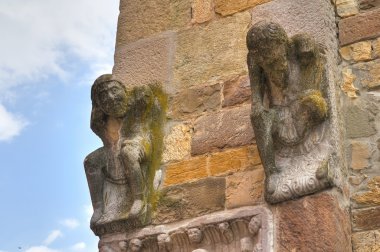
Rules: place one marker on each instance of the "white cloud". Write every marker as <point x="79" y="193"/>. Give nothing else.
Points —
<point x="55" y="234"/>
<point x="40" y="249"/>
<point x="10" y="124"/>
<point x="43" y="36"/>
<point x="79" y="246"/>
<point x="70" y="223"/>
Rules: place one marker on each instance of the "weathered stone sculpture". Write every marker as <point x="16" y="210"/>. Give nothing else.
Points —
<point x="290" y="111"/>
<point x="120" y="174"/>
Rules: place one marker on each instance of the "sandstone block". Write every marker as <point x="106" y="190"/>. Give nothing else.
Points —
<point x="141" y="19"/>
<point x="196" y="100"/>
<point x="348" y="83"/>
<point x="366" y="241"/>
<point x="300" y="229"/>
<point x="227" y="7"/>
<point x="358" y="122"/>
<point x="190" y="200"/>
<point x="202" y="11"/>
<point x="360" y="154"/>
<point x="376" y="48"/>
<point x="366" y="219"/>
<point x="368" y="73"/>
<point x="206" y="54"/>
<point x="359" y="27"/>
<point x="346" y="8"/>
<point x="229" y="161"/>
<point x="236" y="91"/>
<point x="227" y="128"/>
<point x="245" y="188"/>
<point x="370" y="197"/>
<point x="177" y="143"/>
<point x="185" y="171"/>
<point x="145" y="61"/>
<point x="360" y="51"/>
<point x="369" y="4"/>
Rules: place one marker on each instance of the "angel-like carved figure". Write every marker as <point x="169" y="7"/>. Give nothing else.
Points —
<point x="288" y="85"/>
<point x="129" y="122"/>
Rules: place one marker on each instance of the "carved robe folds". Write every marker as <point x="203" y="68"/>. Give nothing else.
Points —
<point x="292" y="113"/>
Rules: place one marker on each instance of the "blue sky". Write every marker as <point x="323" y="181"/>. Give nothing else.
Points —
<point x="51" y="52"/>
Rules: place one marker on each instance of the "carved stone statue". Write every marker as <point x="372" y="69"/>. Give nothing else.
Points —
<point x="120" y="174"/>
<point x="290" y="110"/>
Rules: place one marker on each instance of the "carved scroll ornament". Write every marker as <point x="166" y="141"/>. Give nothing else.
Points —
<point x="120" y="174"/>
<point x="290" y="111"/>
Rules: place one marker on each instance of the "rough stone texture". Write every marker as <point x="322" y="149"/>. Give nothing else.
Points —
<point x="370" y="197"/>
<point x="360" y="155"/>
<point x="236" y="91"/>
<point x="348" y="83"/>
<point x="207" y="54"/>
<point x="359" y="27"/>
<point x="227" y="128"/>
<point x="196" y="100"/>
<point x="366" y="241"/>
<point x="358" y="122"/>
<point x="202" y="11"/>
<point x="360" y="51"/>
<point x="190" y="200"/>
<point x="177" y="143"/>
<point x="145" y="61"/>
<point x="245" y="188"/>
<point x="227" y="7"/>
<point x="368" y="73"/>
<point x="346" y="8"/>
<point x="369" y="4"/>
<point x="314" y="223"/>
<point x="141" y="19"/>
<point x="185" y="171"/>
<point x="316" y="18"/>
<point x="366" y="219"/>
<point x="376" y="48"/>
<point x="234" y="160"/>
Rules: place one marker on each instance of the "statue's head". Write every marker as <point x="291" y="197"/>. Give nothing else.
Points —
<point x="135" y="245"/>
<point x="267" y="42"/>
<point x="305" y="48"/>
<point x="254" y="225"/>
<point x="195" y="235"/>
<point x="109" y="95"/>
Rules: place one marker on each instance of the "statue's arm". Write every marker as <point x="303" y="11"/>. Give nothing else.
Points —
<point x="256" y="86"/>
<point x="97" y="122"/>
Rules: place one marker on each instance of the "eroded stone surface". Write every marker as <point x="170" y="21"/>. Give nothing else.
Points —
<point x="242" y="229"/>
<point x="358" y="122"/>
<point x="376" y="47"/>
<point x="366" y="219"/>
<point x="189" y="200"/>
<point x="228" y="128"/>
<point x="371" y="197"/>
<point x="245" y="188"/>
<point x="346" y="8"/>
<point x="141" y="19"/>
<point x="368" y="73"/>
<point x="360" y="154"/>
<point x="348" y="83"/>
<point x="205" y="54"/>
<point x="226" y="7"/>
<point x="359" y="27"/>
<point x="369" y="4"/>
<point x="202" y="10"/>
<point x="360" y="51"/>
<point x="314" y="223"/>
<point x="236" y="91"/>
<point x="177" y="143"/>
<point x="366" y="241"/>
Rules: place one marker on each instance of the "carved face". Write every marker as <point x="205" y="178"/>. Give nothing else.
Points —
<point x="254" y="225"/>
<point x="271" y="54"/>
<point x="112" y="99"/>
<point x="163" y="241"/>
<point x="135" y="245"/>
<point x="195" y="235"/>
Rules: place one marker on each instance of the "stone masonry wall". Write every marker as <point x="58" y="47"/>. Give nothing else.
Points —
<point x="359" y="35"/>
<point x="196" y="50"/>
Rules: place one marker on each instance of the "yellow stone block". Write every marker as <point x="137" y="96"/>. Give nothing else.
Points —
<point x="186" y="171"/>
<point x="360" y="154"/>
<point x="202" y="11"/>
<point x="228" y="7"/>
<point x="372" y="196"/>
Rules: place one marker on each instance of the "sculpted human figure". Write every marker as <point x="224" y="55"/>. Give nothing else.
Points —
<point x="227" y="234"/>
<point x="195" y="235"/>
<point x="118" y="173"/>
<point x="164" y="243"/>
<point x="286" y="77"/>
